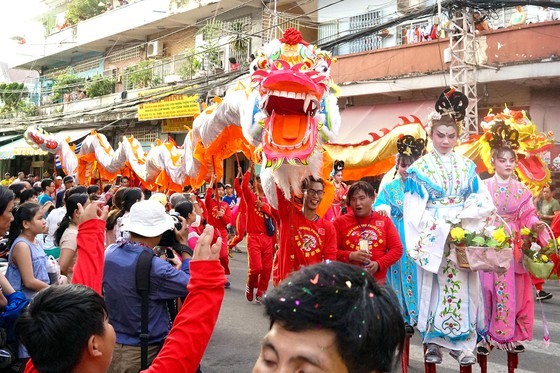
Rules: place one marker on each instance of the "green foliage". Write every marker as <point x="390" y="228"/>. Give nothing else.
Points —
<point x="28" y="109"/>
<point x="142" y="75"/>
<point x="100" y="86"/>
<point x="210" y="51"/>
<point x="239" y="42"/>
<point x="66" y="83"/>
<point x="191" y="65"/>
<point x="11" y="95"/>
<point x="80" y="10"/>
<point x="211" y="30"/>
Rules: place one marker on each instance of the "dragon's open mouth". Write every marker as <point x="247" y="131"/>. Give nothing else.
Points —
<point x="290" y="129"/>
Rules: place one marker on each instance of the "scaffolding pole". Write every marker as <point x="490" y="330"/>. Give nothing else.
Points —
<point x="462" y="69"/>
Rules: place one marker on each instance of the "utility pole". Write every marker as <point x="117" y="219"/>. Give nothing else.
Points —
<point x="462" y="69"/>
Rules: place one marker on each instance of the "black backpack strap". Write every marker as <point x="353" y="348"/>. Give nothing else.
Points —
<point x="143" y="268"/>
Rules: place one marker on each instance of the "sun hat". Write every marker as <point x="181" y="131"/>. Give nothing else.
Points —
<point x="148" y="219"/>
<point x="159" y="197"/>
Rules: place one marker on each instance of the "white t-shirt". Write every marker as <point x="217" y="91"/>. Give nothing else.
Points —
<point x="53" y="221"/>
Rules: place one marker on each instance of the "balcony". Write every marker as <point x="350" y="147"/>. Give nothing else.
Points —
<point x="511" y="53"/>
<point x="129" y="24"/>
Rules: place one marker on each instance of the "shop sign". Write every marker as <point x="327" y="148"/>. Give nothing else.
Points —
<point x="177" y="125"/>
<point x="172" y="106"/>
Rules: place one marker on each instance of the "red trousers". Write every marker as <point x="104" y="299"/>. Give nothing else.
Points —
<point x="260" y="248"/>
<point x="538" y="282"/>
<point x="240" y="229"/>
<point x="224" y="258"/>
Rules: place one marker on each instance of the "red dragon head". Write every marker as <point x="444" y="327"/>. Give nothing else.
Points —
<point x="293" y="80"/>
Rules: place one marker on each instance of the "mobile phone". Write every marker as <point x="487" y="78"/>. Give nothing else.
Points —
<point x="118" y="181"/>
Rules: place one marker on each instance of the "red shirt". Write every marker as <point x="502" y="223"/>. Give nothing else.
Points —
<point x="212" y="208"/>
<point x="384" y="241"/>
<point x="239" y="192"/>
<point x="255" y="216"/>
<point x="555" y="225"/>
<point x="302" y="242"/>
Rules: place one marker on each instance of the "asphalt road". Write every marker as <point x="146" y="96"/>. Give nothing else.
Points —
<point x="235" y="344"/>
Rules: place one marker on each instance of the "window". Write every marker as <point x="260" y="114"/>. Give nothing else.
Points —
<point x="367" y="42"/>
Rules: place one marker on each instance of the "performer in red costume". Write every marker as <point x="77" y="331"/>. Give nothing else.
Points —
<point x="260" y="245"/>
<point x="218" y="214"/>
<point x="241" y="219"/>
<point x="366" y="238"/>
<point x="305" y="238"/>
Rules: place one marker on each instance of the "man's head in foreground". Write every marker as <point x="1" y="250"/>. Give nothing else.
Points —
<point x="331" y="317"/>
<point x="56" y="344"/>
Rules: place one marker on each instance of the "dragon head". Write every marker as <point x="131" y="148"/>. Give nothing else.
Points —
<point x="293" y="81"/>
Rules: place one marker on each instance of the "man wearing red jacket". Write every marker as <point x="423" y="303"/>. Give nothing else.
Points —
<point x="241" y="219"/>
<point x="52" y="316"/>
<point x="218" y="216"/>
<point x="260" y="245"/>
<point x="305" y="238"/>
<point x="366" y="238"/>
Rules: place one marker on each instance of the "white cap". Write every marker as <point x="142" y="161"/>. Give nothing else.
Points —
<point x="148" y="219"/>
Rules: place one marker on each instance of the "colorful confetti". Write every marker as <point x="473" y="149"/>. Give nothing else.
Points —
<point x="371" y="295"/>
<point x="315" y="279"/>
<point x="282" y="299"/>
<point x="307" y="291"/>
<point x="297" y="302"/>
<point x="349" y="284"/>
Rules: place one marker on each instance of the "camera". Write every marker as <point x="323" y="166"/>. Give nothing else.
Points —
<point x="178" y="223"/>
<point x="168" y="238"/>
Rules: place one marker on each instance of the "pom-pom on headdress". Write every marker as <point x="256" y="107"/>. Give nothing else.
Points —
<point x="503" y="136"/>
<point x="408" y="145"/>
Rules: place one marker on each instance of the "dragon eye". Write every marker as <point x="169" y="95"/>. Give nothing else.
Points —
<point x="276" y="54"/>
<point x="322" y="67"/>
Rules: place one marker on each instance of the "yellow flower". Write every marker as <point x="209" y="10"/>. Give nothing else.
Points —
<point x="525" y="231"/>
<point x="457" y="234"/>
<point x="558" y="241"/>
<point x="500" y="235"/>
<point x="544" y="258"/>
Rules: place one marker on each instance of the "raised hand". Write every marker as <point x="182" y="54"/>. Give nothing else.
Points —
<point x="204" y="250"/>
<point x="92" y="211"/>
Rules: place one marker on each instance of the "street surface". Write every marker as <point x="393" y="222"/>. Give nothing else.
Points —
<point x="235" y="344"/>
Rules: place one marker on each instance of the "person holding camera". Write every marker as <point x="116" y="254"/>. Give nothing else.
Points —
<point x="146" y="224"/>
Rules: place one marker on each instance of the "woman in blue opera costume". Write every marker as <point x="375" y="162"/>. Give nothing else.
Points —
<point x="449" y="299"/>
<point x="402" y="275"/>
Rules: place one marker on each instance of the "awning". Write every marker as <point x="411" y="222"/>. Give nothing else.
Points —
<point x="8" y="138"/>
<point x="359" y="121"/>
<point x="21" y="147"/>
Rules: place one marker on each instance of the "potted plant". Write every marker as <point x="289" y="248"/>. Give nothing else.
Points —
<point x="191" y="64"/>
<point x="66" y="82"/>
<point x="100" y="86"/>
<point x="80" y="10"/>
<point x="142" y="75"/>
<point x="11" y="95"/>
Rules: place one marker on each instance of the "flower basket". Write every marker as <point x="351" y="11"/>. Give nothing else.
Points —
<point x="539" y="270"/>
<point x="478" y="258"/>
<point x="488" y="258"/>
<point x="461" y="259"/>
<point x="546" y="270"/>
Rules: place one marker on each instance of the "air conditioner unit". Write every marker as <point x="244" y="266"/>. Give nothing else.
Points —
<point x="154" y="49"/>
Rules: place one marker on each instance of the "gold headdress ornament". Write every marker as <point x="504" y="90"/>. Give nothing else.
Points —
<point x="502" y="136"/>
<point x="411" y="146"/>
